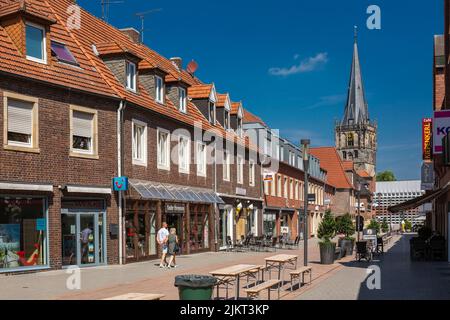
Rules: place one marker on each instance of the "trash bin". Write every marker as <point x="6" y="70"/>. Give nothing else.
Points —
<point x="195" y="287"/>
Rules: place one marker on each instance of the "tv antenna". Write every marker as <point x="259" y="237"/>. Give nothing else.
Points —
<point x="105" y="8"/>
<point x="141" y="16"/>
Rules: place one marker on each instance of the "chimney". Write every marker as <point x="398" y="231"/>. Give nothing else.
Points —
<point x="133" y="34"/>
<point x="178" y="62"/>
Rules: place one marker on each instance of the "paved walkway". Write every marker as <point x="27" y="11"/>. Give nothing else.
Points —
<point x="103" y="282"/>
<point x="401" y="279"/>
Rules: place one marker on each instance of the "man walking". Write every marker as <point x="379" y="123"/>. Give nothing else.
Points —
<point x="162" y="238"/>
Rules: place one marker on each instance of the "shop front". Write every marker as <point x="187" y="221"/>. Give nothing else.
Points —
<point x="190" y="211"/>
<point x="23" y="227"/>
<point x="280" y="222"/>
<point x="83" y="232"/>
<point x="238" y="218"/>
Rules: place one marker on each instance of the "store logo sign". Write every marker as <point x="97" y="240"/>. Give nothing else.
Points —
<point x="440" y="127"/>
<point x="427" y="139"/>
<point x="120" y="184"/>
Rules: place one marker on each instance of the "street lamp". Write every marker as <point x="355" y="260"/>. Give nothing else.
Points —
<point x="306" y="143"/>
<point x="358" y="189"/>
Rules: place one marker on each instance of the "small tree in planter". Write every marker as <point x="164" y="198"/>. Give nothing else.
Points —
<point x="374" y="225"/>
<point x="344" y="225"/>
<point x="385" y="226"/>
<point x="408" y="225"/>
<point x="325" y="232"/>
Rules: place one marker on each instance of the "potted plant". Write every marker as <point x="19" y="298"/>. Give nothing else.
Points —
<point x="385" y="226"/>
<point x="345" y="226"/>
<point x="374" y="225"/>
<point x="408" y="226"/>
<point x="326" y="232"/>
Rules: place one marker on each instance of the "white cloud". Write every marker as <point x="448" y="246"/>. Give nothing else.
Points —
<point x="306" y="65"/>
<point x="327" y="101"/>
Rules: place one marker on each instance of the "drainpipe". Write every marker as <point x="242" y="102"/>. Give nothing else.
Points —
<point x="119" y="173"/>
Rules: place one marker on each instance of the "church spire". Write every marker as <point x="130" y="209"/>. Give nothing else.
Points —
<point x="356" y="110"/>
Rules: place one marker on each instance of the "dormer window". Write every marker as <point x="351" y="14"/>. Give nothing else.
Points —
<point x="183" y="100"/>
<point x="239" y="127"/>
<point x="159" y="87"/>
<point x="212" y="112"/>
<point x="131" y="76"/>
<point x="226" y="119"/>
<point x="35" y="43"/>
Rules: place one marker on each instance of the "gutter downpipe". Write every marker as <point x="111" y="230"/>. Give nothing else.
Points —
<point x="122" y="106"/>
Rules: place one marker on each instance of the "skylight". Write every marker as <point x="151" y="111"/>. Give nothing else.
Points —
<point x="63" y="53"/>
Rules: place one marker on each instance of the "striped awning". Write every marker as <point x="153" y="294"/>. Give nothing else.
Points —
<point x="167" y="192"/>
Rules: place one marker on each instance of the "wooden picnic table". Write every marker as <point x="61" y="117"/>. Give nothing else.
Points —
<point x="232" y="274"/>
<point x="279" y="262"/>
<point x="138" y="296"/>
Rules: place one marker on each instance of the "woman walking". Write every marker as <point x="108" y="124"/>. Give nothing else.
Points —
<point x="173" y="247"/>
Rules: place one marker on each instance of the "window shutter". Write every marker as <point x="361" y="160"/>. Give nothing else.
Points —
<point x="20" y="116"/>
<point x="82" y="124"/>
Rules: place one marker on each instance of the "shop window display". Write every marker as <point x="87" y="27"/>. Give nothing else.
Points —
<point x="23" y="233"/>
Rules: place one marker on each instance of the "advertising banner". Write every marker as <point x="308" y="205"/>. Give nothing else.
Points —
<point x="427" y="139"/>
<point x="441" y="127"/>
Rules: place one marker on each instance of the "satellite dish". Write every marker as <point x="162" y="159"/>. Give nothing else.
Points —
<point x="192" y="67"/>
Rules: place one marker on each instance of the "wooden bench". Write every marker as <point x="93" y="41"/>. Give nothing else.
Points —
<point x="255" y="274"/>
<point x="138" y="296"/>
<point x="300" y="272"/>
<point x="253" y="293"/>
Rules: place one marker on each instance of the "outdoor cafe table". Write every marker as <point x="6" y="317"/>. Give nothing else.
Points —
<point x="279" y="262"/>
<point x="233" y="273"/>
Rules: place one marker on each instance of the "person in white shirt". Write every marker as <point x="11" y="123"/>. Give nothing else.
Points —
<point x="162" y="237"/>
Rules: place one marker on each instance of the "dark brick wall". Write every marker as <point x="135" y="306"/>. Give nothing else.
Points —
<point x="53" y="164"/>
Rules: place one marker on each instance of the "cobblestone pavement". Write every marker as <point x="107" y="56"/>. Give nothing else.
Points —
<point x="109" y="281"/>
<point x="401" y="279"/>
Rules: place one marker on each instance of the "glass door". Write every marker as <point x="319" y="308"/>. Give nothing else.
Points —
<point x="88" y="239"/>
<point x="82" y="239"/>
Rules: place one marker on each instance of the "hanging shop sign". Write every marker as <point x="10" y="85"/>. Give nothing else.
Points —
<point x="427" y="176"/>
<point x="440" y="127"/>
<point x="120" y="183"/>
<point x="427" y="139"/>
<point x="268" y="176"/>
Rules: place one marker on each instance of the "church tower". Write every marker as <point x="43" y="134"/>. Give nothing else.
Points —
<point x="356" y="134"/>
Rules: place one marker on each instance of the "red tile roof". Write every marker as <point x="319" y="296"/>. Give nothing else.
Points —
<point x="221" y="99"/>
<point x="200" y="91"/>
<point x="348" y="165"/>
<point x="235" y="107"/>
<point x="363" y="174"/>
<point x="93" y="75"/>
<point x="251" y="118"/>
<point x="332" y="163"/>
<point x="35" y="8"/>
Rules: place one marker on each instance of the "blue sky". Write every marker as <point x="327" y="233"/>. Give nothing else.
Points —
<point x="241" y="46"/>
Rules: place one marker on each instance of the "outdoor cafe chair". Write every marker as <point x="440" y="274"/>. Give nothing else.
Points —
<point x="363" y="252"/>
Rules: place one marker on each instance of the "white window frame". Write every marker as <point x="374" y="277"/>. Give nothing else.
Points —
<point x="93" y="153"/>
<point x="33" y="146"/>
<point x="226" y="166"/>
<point x="240" y="170"/>
<point x="183" y="99"/>
<point x="286" y="185"/>
<point x="137" y="161"/>
<point x="159" y="90"/>
<point x="251" y="175"/>
<point x="131" y="77"/>
<point x="160" y="165"/>
<point x="279" y="186"/>
<point x="44" y="40"/>
<point x="201" y="170"/>
<point x="187" y="154"/>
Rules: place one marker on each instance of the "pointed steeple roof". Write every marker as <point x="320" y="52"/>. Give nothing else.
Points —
<point x="356" y="110"/>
